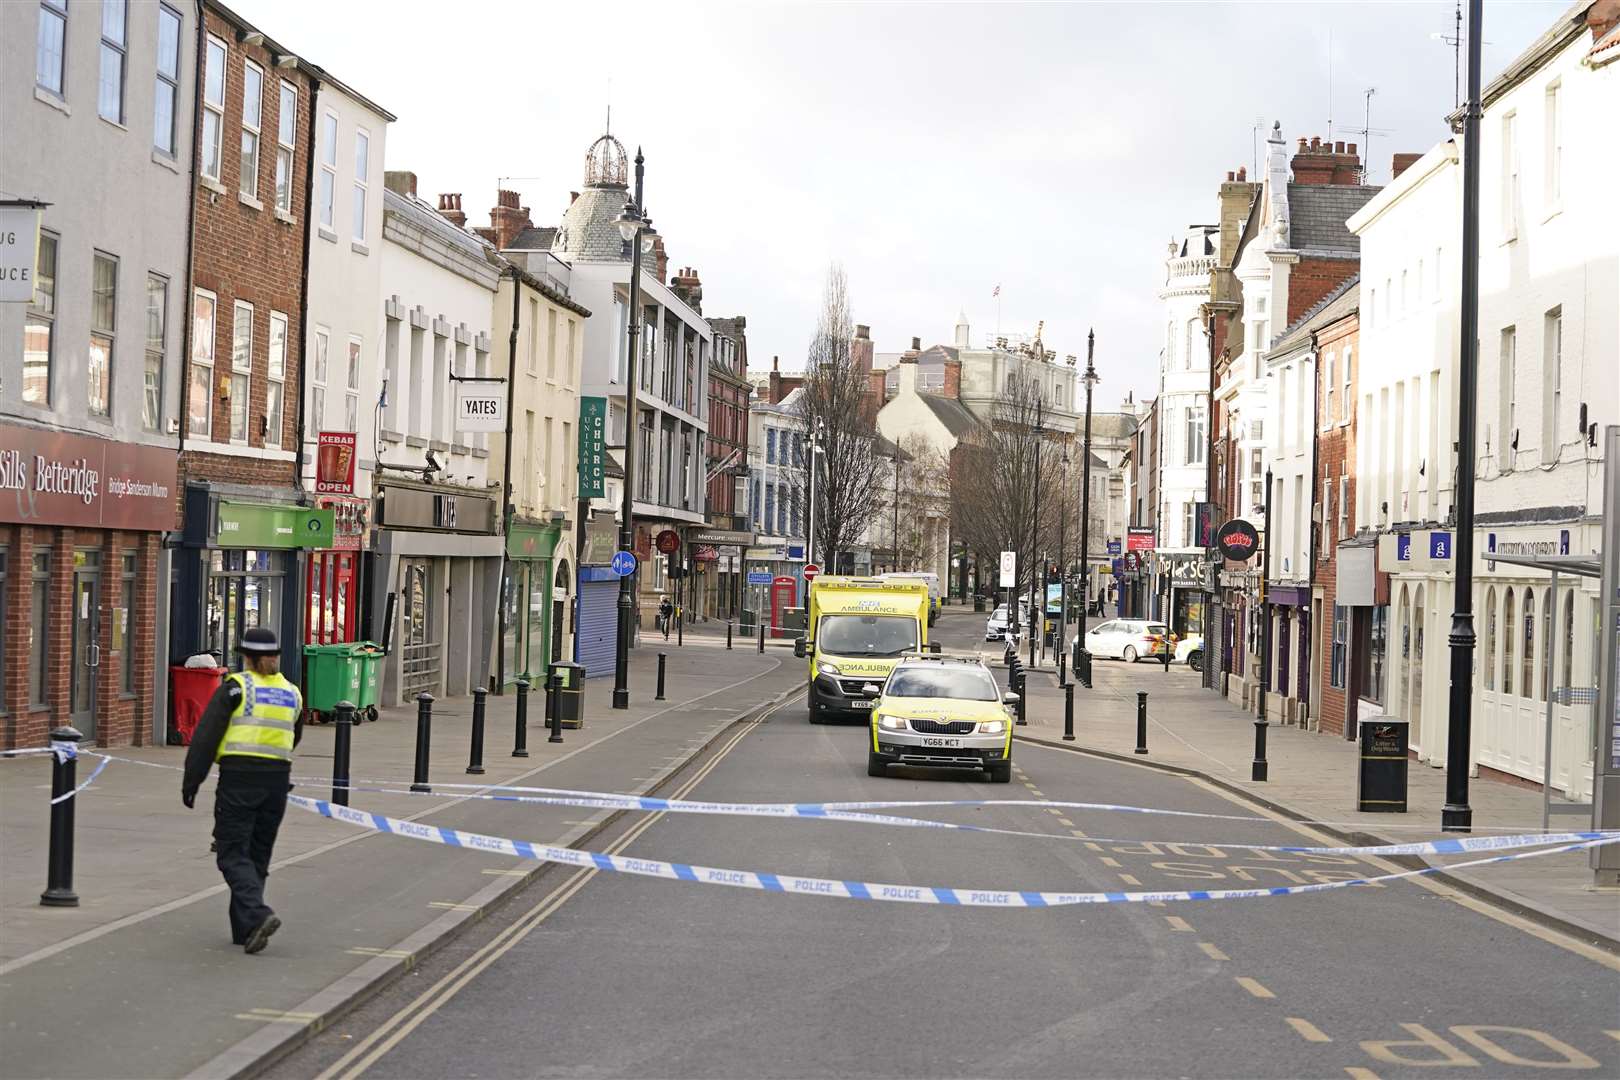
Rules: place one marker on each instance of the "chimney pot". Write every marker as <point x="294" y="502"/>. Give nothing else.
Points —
<point x="1351" y="149"/>
<point x="1338" y="147"/>
<point x="1230" y="176"/>
<point x="1302" y="144"/>
<point x="776" y="363"/>
<point x="862" y="330"/>
<point x="916" y="343"/>
<point x="1243" y="172"/>
<point x="1316" y="143"/>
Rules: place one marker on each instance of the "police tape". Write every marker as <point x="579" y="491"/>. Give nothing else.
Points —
<point x="856" y="890"/>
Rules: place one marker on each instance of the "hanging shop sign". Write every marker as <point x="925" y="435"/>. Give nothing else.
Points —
<point x="669" y="542"/>
<point x="601" y="541"/>
<point x="1237" y="540"/>
<point x="592" y="447"/>
<point x="1189" y="572"/>
<point x="349" y="519"/>
<point x="19" y="252"/>
<point x="1140" y="538"/>
<point x="53" y="478"/>
<point x="334" y="462"/>
<point x="480" y="407"/>
<point x="1115" y="547"/>
<point x="273" y="525"/>
<point x="704" y="553"/>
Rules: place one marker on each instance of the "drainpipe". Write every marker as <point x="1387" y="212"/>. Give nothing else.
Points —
<point x="506" y="483"/>
<point x="191" y="232"/>
<point x="303" y="288"/>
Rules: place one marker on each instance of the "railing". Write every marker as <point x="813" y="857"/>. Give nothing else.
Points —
<point x="419" y="669"/>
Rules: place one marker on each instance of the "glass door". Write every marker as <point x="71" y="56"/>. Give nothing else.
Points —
<point x="86" y="641"/>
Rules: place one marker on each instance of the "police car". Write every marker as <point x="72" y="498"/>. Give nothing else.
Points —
<point x="943" y="712"/>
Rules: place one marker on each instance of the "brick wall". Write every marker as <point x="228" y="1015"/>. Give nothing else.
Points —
<point x="252" y="254"/>
<point x="1310" y="279"/>
<point x="1336" y="456"/>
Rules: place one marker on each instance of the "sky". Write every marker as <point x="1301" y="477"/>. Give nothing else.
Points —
<point x="935" y="151"/>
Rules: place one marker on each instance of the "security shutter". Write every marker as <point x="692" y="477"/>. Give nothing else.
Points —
<point x="597" y="626"/>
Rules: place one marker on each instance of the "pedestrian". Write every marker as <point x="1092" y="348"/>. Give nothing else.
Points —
<point x="665" y="610"/>
<point x="250" y="727"/>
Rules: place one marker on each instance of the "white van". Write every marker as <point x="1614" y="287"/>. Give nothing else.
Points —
<point x="929" y="579"/>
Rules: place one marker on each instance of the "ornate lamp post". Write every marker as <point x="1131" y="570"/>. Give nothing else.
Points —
<point x="1081" y="653"/>
<point x="636" y="228"/>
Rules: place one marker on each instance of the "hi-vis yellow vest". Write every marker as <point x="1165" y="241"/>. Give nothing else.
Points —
<point x="263" y="723"/>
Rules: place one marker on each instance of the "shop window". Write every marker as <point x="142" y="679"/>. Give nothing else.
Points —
<point x="1340" y="631"/>
<point x="244" y="590"/>
<point x="3" y="563"/>
<point x="38" y="627"/>
<point x="39" y="328"/>
<point x="123" y="627"/>
<point x="1489" y="664"/>
<point x="1371" y="653"/>
<point x="1508" y="633"/>
<point x="1569" y="641"/>
<point x="1527" y="656"/>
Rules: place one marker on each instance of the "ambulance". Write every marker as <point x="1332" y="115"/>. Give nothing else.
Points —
<point x="858" y="629"/>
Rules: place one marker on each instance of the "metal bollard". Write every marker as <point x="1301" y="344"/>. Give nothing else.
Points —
<point x="1141" y="722"/>
<point x="59" y="862"/>
<point x="1062" y="659"/>
<point x="1258" y="770"/>
<point x="520" y="738"/>
<point x="660" y="695"/>
<point x="1023" y="698"/>
<point x="1068" y="713"/>
<point x="728" y="634"/>
<point x="554" y="696"/>
<point x="762" y="637"/>
<point x="424" y="740"/>
<point x="342" y="737"/>
<point x="1082" y="668"/>
<point x="1167" y="658"/>
<point x="475" y="760"/>
<point x="680" y="629"/>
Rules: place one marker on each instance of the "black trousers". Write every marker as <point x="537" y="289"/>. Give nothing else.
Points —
<point x="248" y="807"/>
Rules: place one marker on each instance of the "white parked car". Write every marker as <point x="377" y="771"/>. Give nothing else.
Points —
<point x="995" y="628"/>
<point x="1190" y="651"/>
<point x="1128" y="639"/>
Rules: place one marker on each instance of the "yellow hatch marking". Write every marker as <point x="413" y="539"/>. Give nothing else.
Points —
<point x="1106" y="861"/>
<point x="1254" y="987"/>
<point x="1212" y="952"/>
<point x="1089" y="845"/>
<point x="449" y="906"/>
<point x="1129" y="880"/>
<point x="1307" y="1030"/>
<point x="1178" y="923"/>
<point x="1358" y="1073"/>
<point x="1065" y="822"/>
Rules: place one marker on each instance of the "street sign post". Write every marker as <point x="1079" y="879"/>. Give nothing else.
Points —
<point x="624" y="563"/>
<point x="759" y="577"/>
<point x="1009" y="569"/>
<point x="810" y="571"/>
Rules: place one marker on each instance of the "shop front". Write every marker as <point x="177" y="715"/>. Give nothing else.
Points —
<point x="536" y="597"/>
<point x="81" y="523"/>
<point x="1188" y="574"/>
<point x="717" y="555"/>
<point x="334" y="586"/>
<point x="438" y="555"/>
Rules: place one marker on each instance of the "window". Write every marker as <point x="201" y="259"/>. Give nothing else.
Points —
<point x="1195" y="435"/>
<point x="1189" y="522"/>
<point x="351" y="399"/>
<point x="1336" y="650"/>
<point x="1329" y="385"/>
<point x="770" y="446"/>
<point x="1372" y="635"/>
<point x="328" y="194"/>
<point x="317" y="379"/>
<point x="165" y="103"/>
<point x="1329" y="524"/>
<point x="213" y="127"/>
<point x="1508" y="434"/>
<point x="1348" y="400"/>
<point x="110" y="86"/>
<point x="123" y="624"/>
<point x="1489" y="664"/>
<point x="1509" y="630"/>
<point x="1552" y="371"/>
<point x="48" y="51"/>
<point x="241" y="369"/>
<point x="1549" y="611"/>
<point x="362" y="174"/>
<point x="1553" y="181"/>
<point x="1344" y="504"/>
<point x="38" y="624"/>
<point x="1510" y="176"/>
<point x="200" y="392"/>
<point x="275" y="389"/>
<point x="39" y="329"/>
<point x="157" y="322"/>
<point x="1569" y="641"/>
<point x="286" y="133"/>
<point x="103" y="319"/>
<point x="252" y="115"/>
<point x="551" y="343"/>
<point x="1527" y="656"/>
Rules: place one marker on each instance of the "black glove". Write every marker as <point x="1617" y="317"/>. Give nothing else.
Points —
<point x="189" y="798"/>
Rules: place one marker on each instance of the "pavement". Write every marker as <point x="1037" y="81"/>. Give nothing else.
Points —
<point x="607" y="975"/>
<point x="145" y="961"/>
<point x="1312" y="777"/>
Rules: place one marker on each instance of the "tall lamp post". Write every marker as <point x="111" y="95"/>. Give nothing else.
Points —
<point x="1090" y="379"/>
<point x="1037" y="607"/>
<point x="1457" y="815"/>
<point x="1257" y="770"/>
<point x="1063" y="562"/>
<point x="636" y="228"/>
<point x="895" y="537"/>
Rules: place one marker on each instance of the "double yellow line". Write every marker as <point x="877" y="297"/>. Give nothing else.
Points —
<point x="391" y="1032"/>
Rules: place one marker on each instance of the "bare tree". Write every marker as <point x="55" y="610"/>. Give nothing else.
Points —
<point x="914" y="504"/>
<point x="834" y="407"/>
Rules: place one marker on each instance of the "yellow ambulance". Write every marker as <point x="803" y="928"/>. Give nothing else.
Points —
<point x="858" y="629"/>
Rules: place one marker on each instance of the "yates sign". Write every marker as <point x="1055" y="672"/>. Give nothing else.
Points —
<point x="59" y="479"/>
<point x="1237" y="540"/>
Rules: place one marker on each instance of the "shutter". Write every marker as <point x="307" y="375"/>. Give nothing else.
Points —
<point x="597" y="627"/>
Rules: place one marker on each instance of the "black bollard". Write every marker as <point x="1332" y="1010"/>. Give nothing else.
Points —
<point x="1068" y="713"/>
<point x="424" y="740"/>
<point x="680" y="628"/>
<point x="554" y="699"/>
<point x="728" y="633"/>
<point x="520" y="738"/>
<point x="475" y="759"/>
<point x="1082" y="667"/>
<point x="660" y="695"/>
<point x="1167" y="658"/>
<point x="342" y="736"/>
<point x="1023" y="698"/>
<point x="1258" y="770"/>
<point x="762" y="637"/>
<point x="1062" y="659"/>
<point x="59" y="862"/>
<point x="1141" y="722"/>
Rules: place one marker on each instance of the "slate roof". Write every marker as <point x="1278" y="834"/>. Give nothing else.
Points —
<point x="1111" y="425"/>
<point x="1332" y="307"/>
<point x="533" y="239"/>
<point x="952" y="413"/>
<point x="1317" y="214"/>
<point x="589" y="229"/>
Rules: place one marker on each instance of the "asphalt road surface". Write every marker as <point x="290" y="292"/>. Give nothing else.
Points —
<point x="606" y="975"/>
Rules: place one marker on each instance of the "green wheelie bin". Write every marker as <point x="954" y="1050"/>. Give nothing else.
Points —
<point x="342" y="672"/>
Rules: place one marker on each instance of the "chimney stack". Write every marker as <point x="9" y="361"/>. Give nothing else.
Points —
<point x="953" y="378"/>
<point x="660" y="258"/>
<point x="450" y="209"/>
<point x="1401" y="162"/>
<point x="689" y="288"/>
<point x="508" y="218"/>
<point x="860" y="349"/>
<point x="1326" y="163"/>
<point x="400" y="183"/>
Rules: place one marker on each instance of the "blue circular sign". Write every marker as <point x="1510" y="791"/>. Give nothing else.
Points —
<point x="624" y="563"/>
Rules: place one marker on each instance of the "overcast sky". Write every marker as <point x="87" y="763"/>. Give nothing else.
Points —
<point x="936" y="150"/>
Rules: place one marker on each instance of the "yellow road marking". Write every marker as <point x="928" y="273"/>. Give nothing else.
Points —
<point x="1307" y="1030"/>
<point x="1613" y="1034"/>
<point x="1089" y="845"/>
<point x="1212" y="952"/>
<point x="1037" y="792"/>
<point x="1178" y="923"/>
<point x="1129" y="880"/>
<point x="1356" y="1072"/>
<point x="1057" y="813"/>
<point x="1253" y="987"/>
<point x="392" y="1031"/>
<point x="1106" y="861"/>
<point x="1065" y="822"/>
<point x="1155" y="903"/>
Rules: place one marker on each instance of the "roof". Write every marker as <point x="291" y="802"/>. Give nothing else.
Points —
<point x="533" y="239"/>
<point x="952" y="413"/>
<point x="1564" y="30"/>
<point x="430" y="220"/>
<point x="1605" y="48"/>
<point x="590" y="230"/>
<point x="1342" y="301"/>
<point x="1317" y="214"/>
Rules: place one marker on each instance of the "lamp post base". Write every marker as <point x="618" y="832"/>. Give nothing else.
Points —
<point x="1456" y="817"/>
<point x="621" y="699"/>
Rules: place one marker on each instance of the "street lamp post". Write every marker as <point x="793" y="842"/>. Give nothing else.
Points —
<point x="895" y="537"/>
<point x="1257" y="770"/>
<point x="1091" y="380"/>
<point x="1037" y="607"/>
<point x="1063" y="564"/>
<point x="1457" y="815"/>
<point x="636" y="228"/>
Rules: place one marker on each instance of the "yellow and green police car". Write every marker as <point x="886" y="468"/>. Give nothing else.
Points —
<point x="942" y="712"/>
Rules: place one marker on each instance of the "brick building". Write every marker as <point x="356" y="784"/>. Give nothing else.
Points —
<point x="729" y="394"/>
<point x="246" y="520"/>
<point x="1337" y="343"/>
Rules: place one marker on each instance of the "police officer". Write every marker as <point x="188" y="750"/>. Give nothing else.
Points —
<point x="250" y="727"/>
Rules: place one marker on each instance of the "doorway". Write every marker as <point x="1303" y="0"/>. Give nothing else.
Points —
<point x="419" y="652"/>
<point x="1419" y="738"/>
<point x="86" y="641"/>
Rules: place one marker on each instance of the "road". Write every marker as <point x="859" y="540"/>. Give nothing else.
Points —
<point x="605" y="975"/>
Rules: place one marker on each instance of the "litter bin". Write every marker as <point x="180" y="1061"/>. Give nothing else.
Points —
<point x="978" y="605"/>
<point x="570" y="693"/>
<point x="190" y="688"/>
<point x="1381" y="772"/>
<point x="343" y="672"/>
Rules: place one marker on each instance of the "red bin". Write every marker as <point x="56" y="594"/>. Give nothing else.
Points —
<point x="189" y="692"/>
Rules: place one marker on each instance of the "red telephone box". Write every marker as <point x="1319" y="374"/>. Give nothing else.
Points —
<point x="784" y="591"/>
